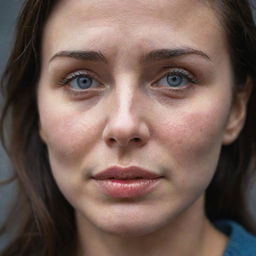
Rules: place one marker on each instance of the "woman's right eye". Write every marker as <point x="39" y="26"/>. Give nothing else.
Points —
<point x="80" y="81"/>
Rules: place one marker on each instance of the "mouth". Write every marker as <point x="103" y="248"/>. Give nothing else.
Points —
<point x="129" y="182"/>
<point x="127" y="173"/>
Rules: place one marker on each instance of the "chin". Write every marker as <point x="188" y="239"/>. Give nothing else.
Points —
<point x="129" y="229"/>
<point x="132" y="224"/>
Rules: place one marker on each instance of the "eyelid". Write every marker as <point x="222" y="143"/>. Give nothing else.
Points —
<point x="73" y="75"/>
<point x="177" y="93"/>
<point x="184" y="72"/>
<point x="167" y="71"/>
<point x="77" y="94"/>
<point x="179" y="71"/>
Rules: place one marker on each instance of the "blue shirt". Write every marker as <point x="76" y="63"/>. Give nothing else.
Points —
<point x="241" y="242"/>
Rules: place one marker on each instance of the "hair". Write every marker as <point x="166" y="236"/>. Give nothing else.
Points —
<point x="46" y="224"/>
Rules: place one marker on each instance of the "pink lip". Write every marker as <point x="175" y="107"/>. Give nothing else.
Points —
<point x="119" y="182"/>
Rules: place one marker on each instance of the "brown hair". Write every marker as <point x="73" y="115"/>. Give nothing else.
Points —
<point x="47" y="224"/>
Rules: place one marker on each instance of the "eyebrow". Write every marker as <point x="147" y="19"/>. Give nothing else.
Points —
<point x="162" y="54"/>
<point x="159" y="54"/>
<point x="81" y="55"/>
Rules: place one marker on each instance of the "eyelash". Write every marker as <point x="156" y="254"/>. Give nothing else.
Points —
<point x="191" y="80"/>
<point x="170" y="71"/>
<point x="70" y="77"/>
<point x="77" y="93"/>
<point x="180" y="72"/>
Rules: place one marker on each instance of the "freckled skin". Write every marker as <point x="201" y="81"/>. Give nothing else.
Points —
<point x="181" y="137"/>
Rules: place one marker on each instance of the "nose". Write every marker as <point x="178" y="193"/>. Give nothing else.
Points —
<point x="126" y="125"/>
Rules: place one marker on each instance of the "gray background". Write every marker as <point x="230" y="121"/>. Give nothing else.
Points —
<point x="8" y="12"/>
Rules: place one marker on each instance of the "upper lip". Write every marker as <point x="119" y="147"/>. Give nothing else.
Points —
<point x="132" y="172"/>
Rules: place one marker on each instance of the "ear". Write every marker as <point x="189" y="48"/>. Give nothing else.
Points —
<point x="238" y="113"/>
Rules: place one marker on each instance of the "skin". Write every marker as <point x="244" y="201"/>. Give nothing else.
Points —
<point x="178" y="134"/>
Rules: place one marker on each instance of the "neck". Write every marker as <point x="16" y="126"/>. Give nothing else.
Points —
<point x="190" y="234"/>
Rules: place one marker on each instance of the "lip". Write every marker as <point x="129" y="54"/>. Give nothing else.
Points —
<point x="128" y="182"/>
<point x="124" y="173"/>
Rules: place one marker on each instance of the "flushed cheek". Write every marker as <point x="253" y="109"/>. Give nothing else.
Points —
<point x="69" y="136"/>
<point x="193" y="141"/>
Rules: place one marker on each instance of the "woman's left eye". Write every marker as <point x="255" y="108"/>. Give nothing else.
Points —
<point x="176" y="79"/>
<point x="80" y="81"/>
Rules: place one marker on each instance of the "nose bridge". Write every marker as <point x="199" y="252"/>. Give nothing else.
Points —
<point x="125" y="123"/>
<point x="124" y="103"/>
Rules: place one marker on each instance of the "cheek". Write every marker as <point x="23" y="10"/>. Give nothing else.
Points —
<point x="68" y="133"/>
<point x="198" y="126"/>
<point x="193" y="141"/>
<point x="193" y="132"/>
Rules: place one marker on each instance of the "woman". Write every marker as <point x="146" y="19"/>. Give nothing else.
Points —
<point x="132" y="127"/>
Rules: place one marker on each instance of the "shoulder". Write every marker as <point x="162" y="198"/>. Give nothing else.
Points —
<point x="241" y="242"/>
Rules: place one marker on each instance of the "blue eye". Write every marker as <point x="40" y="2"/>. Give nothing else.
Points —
<point x="80" y="81"/>
<point x="177" y="79"/>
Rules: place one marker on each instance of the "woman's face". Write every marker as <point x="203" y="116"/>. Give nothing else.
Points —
<point x="135" y="83"/>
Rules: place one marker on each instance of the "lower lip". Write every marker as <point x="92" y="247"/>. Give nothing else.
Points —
<point x="127" y="188"/>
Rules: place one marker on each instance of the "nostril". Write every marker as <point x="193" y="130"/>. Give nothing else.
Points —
<point x="111" y="140"/>
<point x="124" y="142"/>
<point x="133" y="139"/>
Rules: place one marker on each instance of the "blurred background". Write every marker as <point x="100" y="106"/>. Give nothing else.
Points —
<point x="8" y="12"/>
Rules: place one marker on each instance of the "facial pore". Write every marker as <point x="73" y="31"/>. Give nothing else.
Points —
<point x="179" y="128"/>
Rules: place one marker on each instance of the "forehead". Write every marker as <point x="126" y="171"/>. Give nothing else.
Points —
<point x="137" y="24"/>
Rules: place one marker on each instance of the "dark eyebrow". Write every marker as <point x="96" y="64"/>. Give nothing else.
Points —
<point x="159" y="54"/>
<point x="81" y="55"/>
<point x="162" y="54"/>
